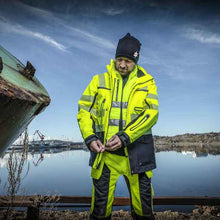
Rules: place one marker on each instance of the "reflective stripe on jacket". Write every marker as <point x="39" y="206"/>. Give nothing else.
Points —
<point x="107" y="108"/>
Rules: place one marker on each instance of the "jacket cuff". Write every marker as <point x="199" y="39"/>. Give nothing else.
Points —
<point x="90" y="139"/>
<point x="124" y="138"/>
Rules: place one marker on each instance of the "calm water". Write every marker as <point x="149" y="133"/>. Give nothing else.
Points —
<point x="68" y="173"/>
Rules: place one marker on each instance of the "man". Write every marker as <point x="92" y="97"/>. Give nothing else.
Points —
<point x="116" y="113"/>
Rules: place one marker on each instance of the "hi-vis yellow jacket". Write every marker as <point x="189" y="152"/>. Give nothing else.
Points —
<point x="107" y="108"/>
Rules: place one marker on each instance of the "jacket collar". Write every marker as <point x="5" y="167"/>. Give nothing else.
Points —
<point x="115" y="74"/>
<point x="139" y="72"/>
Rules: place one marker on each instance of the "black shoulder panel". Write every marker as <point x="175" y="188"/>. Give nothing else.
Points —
<point x="140" y="73"/>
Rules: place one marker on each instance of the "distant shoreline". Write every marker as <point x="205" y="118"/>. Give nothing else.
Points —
<point x="205" y="143"/>
<point x="199" y="143"/>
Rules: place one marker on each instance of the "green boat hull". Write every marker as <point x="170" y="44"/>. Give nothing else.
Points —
<point x="22" y="97"/>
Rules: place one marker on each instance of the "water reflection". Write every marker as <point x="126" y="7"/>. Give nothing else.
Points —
<point x="41" y="158"/>
<point x="36" y="155"/>
<point x="195" y="154"/>
<point x="3" y="162"/>
<point x="66" y="171"/>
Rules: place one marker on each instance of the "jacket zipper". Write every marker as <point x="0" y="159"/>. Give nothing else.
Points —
<point x="140" y="123"/>
<point x="120" y="121"/>
<point x="93" y="102"/>
<point x="102" y="112"/>
<point x="147" y="103"/>
<point x="109" y="112"/>
<point x="98" y="157"/>
<point x="101" y="108"/>
<point x="117" y="90"/>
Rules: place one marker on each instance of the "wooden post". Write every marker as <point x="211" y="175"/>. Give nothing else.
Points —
<point x="33" y="213"/>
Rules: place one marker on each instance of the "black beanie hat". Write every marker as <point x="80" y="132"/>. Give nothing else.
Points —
<point x="129" y="47"/>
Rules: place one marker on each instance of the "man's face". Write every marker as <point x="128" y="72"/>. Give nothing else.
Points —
<point x="124" y="65"/>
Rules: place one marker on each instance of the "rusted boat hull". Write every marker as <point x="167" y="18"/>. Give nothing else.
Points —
<point x="22" y="97"/>
<point x="15" y="115"/>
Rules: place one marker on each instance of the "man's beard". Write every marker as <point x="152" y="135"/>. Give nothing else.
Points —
<point x="123" y="70"/>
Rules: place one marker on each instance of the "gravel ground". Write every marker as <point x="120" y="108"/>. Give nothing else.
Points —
<point x="201" y="213"/>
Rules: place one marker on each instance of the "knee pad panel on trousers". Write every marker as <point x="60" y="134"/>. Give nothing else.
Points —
<point x="101" y="193"/>
<point x="129" y="189"/>
<point x="141" y="195"/>
<point x="145" y="194"/>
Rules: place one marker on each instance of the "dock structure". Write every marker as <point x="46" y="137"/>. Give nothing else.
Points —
<point x="33" y="203"/>
<point x="51" y="144"/>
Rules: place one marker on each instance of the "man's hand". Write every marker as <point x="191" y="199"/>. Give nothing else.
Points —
<point x="96" y="146"/>
<point x="113" y="143"/>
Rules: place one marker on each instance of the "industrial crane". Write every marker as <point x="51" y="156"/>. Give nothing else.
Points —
<point x="39" y="134"/>
<point x="41" y="142"/>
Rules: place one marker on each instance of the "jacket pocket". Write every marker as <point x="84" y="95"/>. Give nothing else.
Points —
<point x="138" y="110"/>
<point x="142" y="121"/>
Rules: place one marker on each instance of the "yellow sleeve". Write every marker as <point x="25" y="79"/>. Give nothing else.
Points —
<point x="88" y="109"/>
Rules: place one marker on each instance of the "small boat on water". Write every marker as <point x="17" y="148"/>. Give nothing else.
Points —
<point x="22" y="97"/>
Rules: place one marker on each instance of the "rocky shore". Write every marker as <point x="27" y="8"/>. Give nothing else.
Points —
<point x="201" y="213"/>
<point x="206" y="143"/>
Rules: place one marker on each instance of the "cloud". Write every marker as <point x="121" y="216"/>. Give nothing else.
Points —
<point x="113" y="11"/>
<point x="99" y="41"/>
<point x="52" y="19"/>
<point x="45" y="38"/>
<point x="19" y="29"/>
<point x="202" y="36"/>
<point x="33" y="10"/>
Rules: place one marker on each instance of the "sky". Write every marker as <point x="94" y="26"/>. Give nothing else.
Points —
<point x="70" y="41"/>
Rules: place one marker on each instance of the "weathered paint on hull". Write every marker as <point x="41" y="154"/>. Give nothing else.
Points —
<point x="21" y="99"/>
